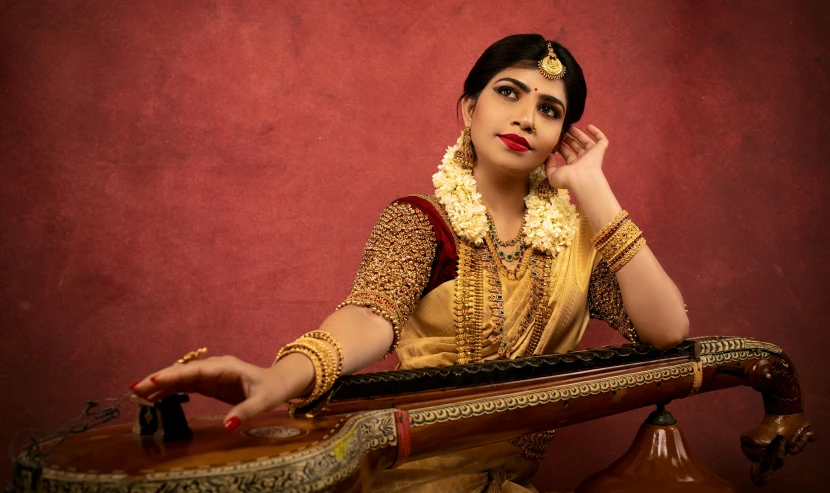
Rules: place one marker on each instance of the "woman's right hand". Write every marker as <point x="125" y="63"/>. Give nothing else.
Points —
<point x="249" y="388"/>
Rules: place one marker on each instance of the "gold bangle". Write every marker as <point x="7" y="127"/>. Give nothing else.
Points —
<point x="627" y="254"/>
<point x="617" y="242"/>
<point x="326" y="336"/>
<point x="322" y="376"/>
<point x="318" y="370"/>
<point x="628" y="245"/>
<point x="609" y="228"/>
<point x="329" y="364"/>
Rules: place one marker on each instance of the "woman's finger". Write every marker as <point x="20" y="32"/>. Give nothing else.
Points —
<point x="189" y="377"/>
<point x="575" y="145"/>
<point x="159" y="395"/>
<point x="227" y="381"/>
<point x="582" y="137"/>
<point x="573" y="141"/>
<point x="144" y="385"/>
<point x="247" y="409"/>
<point x="550" y="161"/>
<point x="567" y="153"/>
<point x="601" y="138"/>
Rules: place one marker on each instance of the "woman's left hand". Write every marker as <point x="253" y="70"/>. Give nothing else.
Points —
<point x="582" y="155"/>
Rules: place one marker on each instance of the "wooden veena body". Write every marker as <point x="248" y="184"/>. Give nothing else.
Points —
<point x="374" y="421"/>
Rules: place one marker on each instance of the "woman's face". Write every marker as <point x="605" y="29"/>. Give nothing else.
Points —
<point x="502" y="120"/>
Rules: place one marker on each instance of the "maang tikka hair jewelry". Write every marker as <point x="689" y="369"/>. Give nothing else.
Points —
<point x="550" y="67"/>
<point x="465" y="155"/>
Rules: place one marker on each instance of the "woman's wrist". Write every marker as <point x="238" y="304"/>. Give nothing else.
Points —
<point x="586" y="180"/>
<point x="296" y="372"/>
<point x="595" y="197"/>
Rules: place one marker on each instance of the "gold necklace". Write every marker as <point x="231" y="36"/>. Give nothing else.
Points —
<point x="491" y="227"/>
<point x="512" y="274"/>
<point x="539" y="272"/>
<point x="469" y="300"/>
<point x="494" y="240"/>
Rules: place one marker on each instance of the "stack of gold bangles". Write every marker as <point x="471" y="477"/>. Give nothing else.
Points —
<point x="327" y="364"/>
<point x="618" y="241"/>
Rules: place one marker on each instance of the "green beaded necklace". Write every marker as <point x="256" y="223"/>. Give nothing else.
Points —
<point x="494" y="236"/>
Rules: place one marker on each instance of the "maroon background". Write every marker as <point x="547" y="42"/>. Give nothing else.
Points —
<point x="187" y="174"/>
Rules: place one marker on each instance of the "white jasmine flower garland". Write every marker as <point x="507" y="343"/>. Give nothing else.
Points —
<point x="550" y="224"/>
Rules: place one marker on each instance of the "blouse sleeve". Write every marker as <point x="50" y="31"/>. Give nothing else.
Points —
<point x="396" y="265"/>
<point x="605" y="301"/>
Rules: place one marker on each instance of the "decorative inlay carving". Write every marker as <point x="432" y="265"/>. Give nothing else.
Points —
<point x="273" y="432"/>
<point x="209" y="417"/>
<point x="518" y="400"/>
<point x="712" y="352"/>
<point x="313" y="469"/>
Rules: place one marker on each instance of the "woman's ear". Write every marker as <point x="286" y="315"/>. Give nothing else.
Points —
<point x="468" y="105"/>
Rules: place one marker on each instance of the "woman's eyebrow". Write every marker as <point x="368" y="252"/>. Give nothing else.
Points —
<point x="544" y="97"/>
<point x="551" y="99"/>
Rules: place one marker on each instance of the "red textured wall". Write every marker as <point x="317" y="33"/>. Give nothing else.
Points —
<point x="187" y="174"/>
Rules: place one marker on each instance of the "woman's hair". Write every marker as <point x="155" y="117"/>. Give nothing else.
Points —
<point x="525" y="51"/>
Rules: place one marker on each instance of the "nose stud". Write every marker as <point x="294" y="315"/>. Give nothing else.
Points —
<point x="533" y="128"/>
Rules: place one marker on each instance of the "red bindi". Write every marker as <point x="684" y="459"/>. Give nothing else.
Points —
<point x="535" y="89"/>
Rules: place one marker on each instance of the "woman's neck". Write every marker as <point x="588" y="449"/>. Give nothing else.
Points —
<point x="504" y="195"/>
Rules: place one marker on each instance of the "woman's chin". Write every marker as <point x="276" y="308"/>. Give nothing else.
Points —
<point x="518" y="169"/>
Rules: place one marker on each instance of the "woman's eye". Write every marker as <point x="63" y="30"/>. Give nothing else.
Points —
<point x="507" y="92"/>
<point x="549" y="111"/>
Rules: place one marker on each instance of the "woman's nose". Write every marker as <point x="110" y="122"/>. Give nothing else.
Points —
<point x="524" y="118"/>
<point x="525" y="123"/>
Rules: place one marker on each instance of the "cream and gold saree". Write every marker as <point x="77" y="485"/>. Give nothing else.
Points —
<point x="398" y="279"/>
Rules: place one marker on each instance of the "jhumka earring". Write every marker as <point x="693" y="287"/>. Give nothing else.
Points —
<point x="544" y="190"/>
<point x="465" y="155"/>
<point x="550" y="67"/>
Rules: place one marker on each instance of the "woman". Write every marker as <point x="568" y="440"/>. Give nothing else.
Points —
<point x="440" y="285"/>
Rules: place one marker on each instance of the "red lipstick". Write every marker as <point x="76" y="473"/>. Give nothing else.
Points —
<point x="515" y="142"/>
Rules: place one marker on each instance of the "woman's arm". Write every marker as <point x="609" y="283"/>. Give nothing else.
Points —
<point x="364" y="337"/>
<point x="394" y="270"/>
<point x="651" y="298"/>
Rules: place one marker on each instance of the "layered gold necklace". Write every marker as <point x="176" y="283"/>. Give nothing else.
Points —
<point x="470" y="297"/>
<point x="495" y="242"/>
<point x="470" y="293"/>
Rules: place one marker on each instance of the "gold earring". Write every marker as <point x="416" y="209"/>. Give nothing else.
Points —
<point x="465" y="155"/>
<point x="544" y="190"/>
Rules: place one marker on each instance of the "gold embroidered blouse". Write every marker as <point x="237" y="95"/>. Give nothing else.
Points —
<point x="396" y="267"/>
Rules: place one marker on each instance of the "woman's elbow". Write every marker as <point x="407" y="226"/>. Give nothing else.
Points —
<point x="672" y="337"/>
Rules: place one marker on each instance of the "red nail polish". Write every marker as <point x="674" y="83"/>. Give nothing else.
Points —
<point x="232" y="424"/>
<point x="132" y="385"/>
<point x="153" y="378"/>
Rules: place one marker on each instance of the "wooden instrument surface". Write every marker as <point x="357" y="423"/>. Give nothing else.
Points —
<point x="116" y="450"/>
<point x="373" y="421"/>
